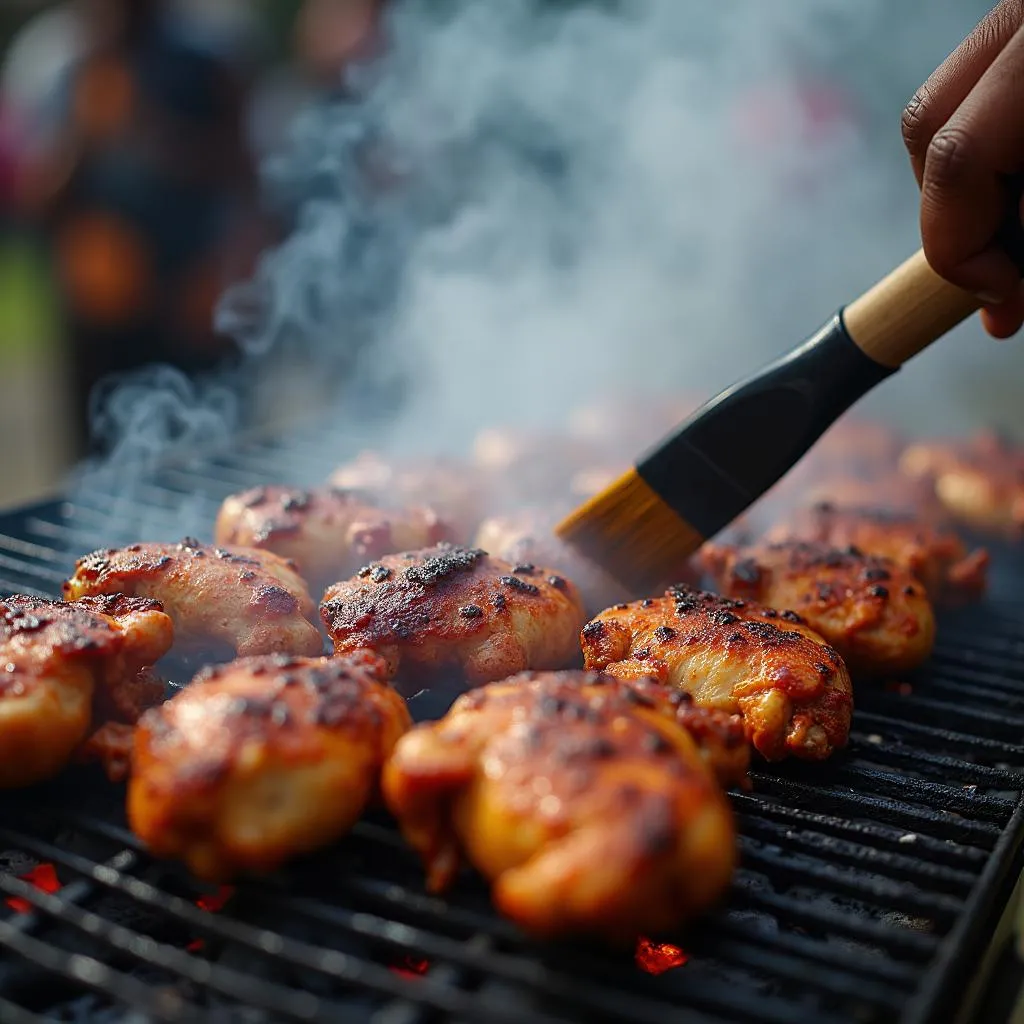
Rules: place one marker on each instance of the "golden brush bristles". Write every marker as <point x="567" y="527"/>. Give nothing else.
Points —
<point x="628" y="530"/>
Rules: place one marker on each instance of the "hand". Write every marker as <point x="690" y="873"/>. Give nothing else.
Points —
<point x="964" y="130"/>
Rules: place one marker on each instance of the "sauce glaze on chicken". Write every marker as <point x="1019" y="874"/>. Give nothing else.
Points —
<point x="456" y="615"/>
<point x="252" y="602"/>
<point x="791" y="687"/>
<point x="67" y="666"/>
<point x="580" y="797"/>
<point x="261" y="760"/>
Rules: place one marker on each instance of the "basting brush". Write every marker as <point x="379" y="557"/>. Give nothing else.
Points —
<point x="644" y="526"/>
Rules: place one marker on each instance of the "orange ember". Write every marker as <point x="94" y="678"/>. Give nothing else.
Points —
<point x="658" y="957"/>
<point x="211" y="902"/>
<point x="42" y="876"/>
<point x="411" y="967"/>
<point x="216" y="900"/>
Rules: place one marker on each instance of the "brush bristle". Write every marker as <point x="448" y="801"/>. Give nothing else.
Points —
<point x="628" y="530"/>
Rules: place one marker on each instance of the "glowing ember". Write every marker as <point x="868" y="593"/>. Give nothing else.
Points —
<point x="42" y="876"/>
<point x="411" y="967"/>
<point x="658" y="957"/>
<point x="216" y="900"/>
<point x="210" y="902"/>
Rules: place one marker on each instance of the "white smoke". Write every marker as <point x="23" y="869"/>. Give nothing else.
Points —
<point x="570" y="199"/>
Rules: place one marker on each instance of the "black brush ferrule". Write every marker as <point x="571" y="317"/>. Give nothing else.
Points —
<point x="739" y="444"/>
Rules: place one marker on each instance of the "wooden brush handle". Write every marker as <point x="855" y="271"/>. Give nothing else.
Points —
<point x="912" y="307"/>
<point x="905" y="312"/>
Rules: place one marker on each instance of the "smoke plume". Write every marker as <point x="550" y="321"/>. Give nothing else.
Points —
<point x="521" y="206"/>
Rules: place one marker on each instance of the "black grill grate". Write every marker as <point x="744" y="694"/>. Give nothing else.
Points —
<point x="869" y="888"/>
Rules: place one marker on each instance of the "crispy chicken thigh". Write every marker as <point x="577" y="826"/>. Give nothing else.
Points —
<point x="933" y="553"/>
<point x="872" y="611"/>
<point x="262" y="759"/>
<point x="252" y="602"/>
<point x="328" y="533"/>
<point x="63" y="662"/>
<point x="581" y="798"/>
<point x="791" y="687"/>
<point x="456" y="614"/>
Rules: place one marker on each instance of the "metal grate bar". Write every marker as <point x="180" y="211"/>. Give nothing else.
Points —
<point x="11" y="1014"/>
<point x="942" y="713"/>
<point x="880" y="835"/>
<point x="979" y="833"/>
<point x="330" y="963"/>
<point x="845" y="958"/>
<point x="958" y="689"/>
<point x="289" y="1003"/>
<point x="912" y="945"/>
<point x="942" y="737"/>
<point x="864" y="990"/>
<point x="800" y="869"/>
<point x="598" y="998"/>
<point x="34" y="551"/>
<point x="875" y="749"/>
<point x="904" y="787"/>
<point x="159" y="1004"/>
<point x="892" y="865"/>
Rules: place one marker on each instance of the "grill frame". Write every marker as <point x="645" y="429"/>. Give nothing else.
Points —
<point x="849" y="839"/>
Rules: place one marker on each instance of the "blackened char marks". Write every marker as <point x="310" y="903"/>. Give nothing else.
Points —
<point x="448" y="562"/>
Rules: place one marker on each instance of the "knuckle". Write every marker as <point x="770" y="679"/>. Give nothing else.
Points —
<point x="914" y="122"/>
<point x="950" y="157"/>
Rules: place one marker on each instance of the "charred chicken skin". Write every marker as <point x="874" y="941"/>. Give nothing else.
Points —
<point x="581" y="798"/>
<point x="791" y="687"/>
<point x="934" y="554"/>
<point x="457" y="613"/>
<point x="252" y="602"/>
<point x="261" y="760"/>
<point x="980" y="484"/>
<point x="63" y="661"/>
<point x="872" y="611"/>
<point x="328" y="533"/>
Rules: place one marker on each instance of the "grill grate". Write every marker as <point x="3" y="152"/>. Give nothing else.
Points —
<point x="869" y="888"/>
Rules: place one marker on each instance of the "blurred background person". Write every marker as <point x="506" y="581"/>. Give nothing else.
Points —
<point x="140" y="180"/>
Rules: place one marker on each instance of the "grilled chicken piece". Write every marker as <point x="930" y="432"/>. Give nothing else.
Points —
<point x="528" y="536"/>
<point x="328" y="533"/>
<point x="874" y="612"/>
<point x="932" y="553"/>
<point x="455" y="491"/>
<point x="980" y="483"/>
<point x="116" y="709"/>
<point x="457" y="613"/>
<point x="252" y="602"/>
<point x="63" y="662"/>
<point x="791" y="687"/>
<point x="261" y="760"/>
<point x="581" y="798"/>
